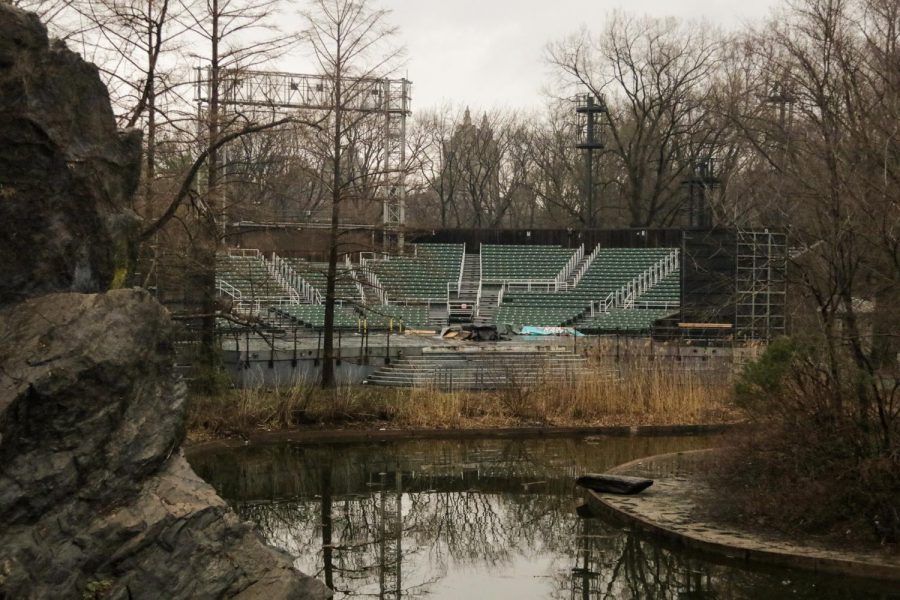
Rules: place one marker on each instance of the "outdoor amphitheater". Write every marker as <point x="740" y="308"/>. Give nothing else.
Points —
<point x="466" y="314"/>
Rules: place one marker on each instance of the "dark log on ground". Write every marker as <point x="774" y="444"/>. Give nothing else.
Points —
<point x="613" y="484"/>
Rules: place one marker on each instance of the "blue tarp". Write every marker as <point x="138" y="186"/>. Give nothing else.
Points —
<point x="531" y="330"/>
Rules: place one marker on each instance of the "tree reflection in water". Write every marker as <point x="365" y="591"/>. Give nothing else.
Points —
<point x="473" y="518"/>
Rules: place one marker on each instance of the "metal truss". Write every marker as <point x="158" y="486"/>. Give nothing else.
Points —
<point x="275" y="93"/>
<point x="760" y="284"/>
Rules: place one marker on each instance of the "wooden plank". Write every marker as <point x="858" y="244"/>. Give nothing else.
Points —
<point x="705" y="325"/>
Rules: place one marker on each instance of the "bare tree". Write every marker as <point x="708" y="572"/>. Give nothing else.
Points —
<point x="476" y="174"/>
<point x="436" y="170"/>
<point x="351" y="43"/>
<point x="823" y="142"/>
<point x="655" y="76"/>
<point x="557" y="167"/>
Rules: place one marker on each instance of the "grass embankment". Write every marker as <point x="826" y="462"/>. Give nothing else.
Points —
<point x="646" y="394"/>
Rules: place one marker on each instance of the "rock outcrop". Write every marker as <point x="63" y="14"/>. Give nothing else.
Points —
<point x="96" y="498"/>
<point x="66" y="174"/>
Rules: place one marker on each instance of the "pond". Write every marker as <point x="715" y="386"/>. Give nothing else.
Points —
<point x="475" y="518"/>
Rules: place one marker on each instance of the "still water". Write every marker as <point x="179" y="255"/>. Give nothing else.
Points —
<point x="473" y="519"/>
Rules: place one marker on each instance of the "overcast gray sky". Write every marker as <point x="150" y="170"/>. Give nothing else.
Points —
<point x="490" y="53"/>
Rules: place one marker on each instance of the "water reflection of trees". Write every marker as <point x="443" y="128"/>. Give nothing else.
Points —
<point x="389" y="520"/>
<point x="609" y="563"/>
<point x="357" y="552"/>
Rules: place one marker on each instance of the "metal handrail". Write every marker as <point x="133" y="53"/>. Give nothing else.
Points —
<point x="278" y="274"/>
<point x="477" y="299"/>
<point x="373" y="280"/>
<point x="563" y="274"/>
<point x="411" y="300"/>
<point x="579" y="275"/>
<point x="306" y="289"/>
<point x="626" y="295"/>
<point x="348" y="264"/>
<point x="657" y="304"/>
<point x="246" y="252"/>
<point x="548" y="285"/>
<point x="462" y="267"/>
<point x="650" y="277"/>
<point x="227" y="288"/>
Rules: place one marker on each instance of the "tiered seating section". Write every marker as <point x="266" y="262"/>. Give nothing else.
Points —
<point x="666" y="292"/>
<point x="250" y="277"/>
<point x="622" y="321"/>
<point x="520" y="263"/>
<point x="316" y="274"/>
<point x="313" y="316"/>
<point x="422" y="277"/>
<point x="373" y="318"/>
<point x="407" y="317"/>
<point x="612" y="268"/>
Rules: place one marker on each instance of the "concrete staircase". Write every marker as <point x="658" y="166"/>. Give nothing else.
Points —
<point x="571" y="280"/>
<point x="487" y="306"/>
<point x="437" y="316"/>
<point x="462" y="306"/>
<point x="370" y="293"/>
<point x="480" y="370"/>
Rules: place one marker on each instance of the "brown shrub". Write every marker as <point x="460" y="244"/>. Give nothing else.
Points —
<point x="810" y="464"/>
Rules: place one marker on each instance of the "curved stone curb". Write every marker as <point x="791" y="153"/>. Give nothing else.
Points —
<point x="732" y="544"/>
<point x="352" y="436"/>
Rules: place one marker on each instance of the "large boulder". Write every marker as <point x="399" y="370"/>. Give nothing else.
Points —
<point x="96" y="499"/>
<point x="66" y="174"/>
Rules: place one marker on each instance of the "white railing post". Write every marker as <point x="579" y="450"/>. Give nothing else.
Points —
<point x="567" y="268"/>
<point x="579" y="275"/>
<point x="477" y="299"/>
<point x="354" y="275"/>
<point x="462" y="267"/>
<point x="277" y="275"/>
<point x="627" y="295"/>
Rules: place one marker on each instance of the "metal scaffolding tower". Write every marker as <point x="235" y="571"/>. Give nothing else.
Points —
<point x="272" y="94"/>
<point x="702" y="180"/>
<point x="588" y="110"/>
<point x="760" y="284"/>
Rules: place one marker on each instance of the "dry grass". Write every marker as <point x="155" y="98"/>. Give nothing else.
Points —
<point x="641" y="393"/>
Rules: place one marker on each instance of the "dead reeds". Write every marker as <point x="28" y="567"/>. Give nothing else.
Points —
<point x="634" y="390"/>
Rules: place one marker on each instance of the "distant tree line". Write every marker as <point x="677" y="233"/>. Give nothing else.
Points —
<point x="796" y="117"/>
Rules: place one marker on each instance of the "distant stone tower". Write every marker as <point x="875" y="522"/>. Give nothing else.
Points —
<point x="472" y="168"/>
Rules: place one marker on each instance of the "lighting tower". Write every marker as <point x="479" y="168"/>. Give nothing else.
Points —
<point x="588" y="109"/>
<point x="267" y="95"/>
<point x="703" y="178"/>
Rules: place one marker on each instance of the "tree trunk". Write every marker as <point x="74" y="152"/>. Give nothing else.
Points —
<point x="328" y="379"/>
<point x="209" y="234"/>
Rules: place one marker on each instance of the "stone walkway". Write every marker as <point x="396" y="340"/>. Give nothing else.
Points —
<point x="669" y="509"/>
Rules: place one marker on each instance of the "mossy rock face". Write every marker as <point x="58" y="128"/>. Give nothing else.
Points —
<point x="67" y="174"/>
<point x="97" y="589"/>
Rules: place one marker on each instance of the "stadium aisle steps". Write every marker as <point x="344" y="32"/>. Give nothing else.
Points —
<point x="489" y="370"/>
